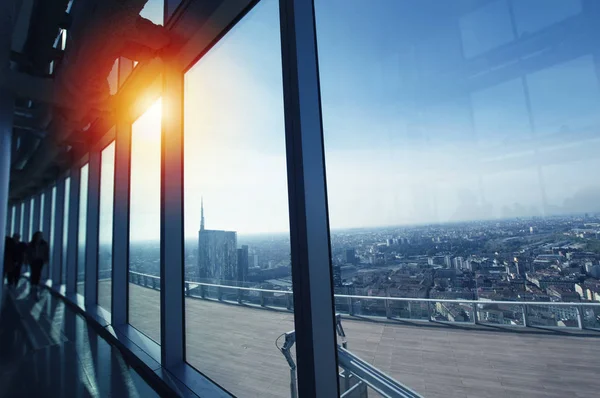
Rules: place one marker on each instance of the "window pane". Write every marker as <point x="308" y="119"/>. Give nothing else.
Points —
<point x="40" y="227"/>
<point x="22" y="219"/>
<point x="236" y="213"/>
<point x="12" y="220"/>
<point x="52" y="232"/>
<point x="81" y="230"/>
<point x="461" y="141"/>
<point x="65" y="241"/>
<point x="107" y="186"/>
<point x="144" y="227"/>
<point x="31" y="231"/>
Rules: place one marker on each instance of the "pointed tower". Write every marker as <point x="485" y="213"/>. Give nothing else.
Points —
<point x="201" y="214"/>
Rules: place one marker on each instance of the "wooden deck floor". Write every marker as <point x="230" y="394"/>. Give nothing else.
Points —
<point x="235" y="347"/>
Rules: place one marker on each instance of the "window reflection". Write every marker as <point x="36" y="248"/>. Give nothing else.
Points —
<point x="460" y="141"/>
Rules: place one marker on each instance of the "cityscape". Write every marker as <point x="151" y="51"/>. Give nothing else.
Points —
<point x="540" y="259"/>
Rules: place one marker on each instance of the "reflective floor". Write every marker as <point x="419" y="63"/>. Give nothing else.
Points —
<point x="47" y="350"/>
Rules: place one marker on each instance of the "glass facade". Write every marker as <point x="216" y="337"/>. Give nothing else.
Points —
<point x="105" y="233"/>
<point x="144" y="223"/>
<point x="81" y="228"/>
<point x="431" y="169"/>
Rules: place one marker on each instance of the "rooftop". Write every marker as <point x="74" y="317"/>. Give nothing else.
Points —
<point x="235" y="346"/>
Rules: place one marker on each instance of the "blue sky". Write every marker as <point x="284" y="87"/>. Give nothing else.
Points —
<point x="420" y="124"/>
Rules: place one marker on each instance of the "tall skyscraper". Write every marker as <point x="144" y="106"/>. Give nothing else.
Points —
<point x="350" y="256"/>
<point x="217" y="253"/>
<point x="242" y="259"/>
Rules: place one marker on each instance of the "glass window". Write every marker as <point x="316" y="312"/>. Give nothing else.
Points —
<point x="460" y="147"/>
<point x="22" y="219"/>
<point x="51" y="239"/>
<point x="65" y="242"/>
<point x="12" y="220"/>
<point x="30" y="226"/>
<point x="105" y="244"/>
<point x="236" y="210"/>
<point x="144" y="227"/>
<point x="40" y="227"/>
<point x="81" y="230"/>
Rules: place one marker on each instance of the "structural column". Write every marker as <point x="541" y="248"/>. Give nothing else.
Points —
<point x="120" y="255"/>
<point x="72" y="231"/>
<point x="17" y="228"/>
<point x="9" y="219"/>
<point x="26" y="220"/>
<point x="36" y="214"/>
<point x="7" y="9"/>
<point x="6" y="113"/>
<point x="312" y="280"/>
<point x="171" y="212"/>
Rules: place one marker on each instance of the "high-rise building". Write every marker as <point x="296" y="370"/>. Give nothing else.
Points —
<point x="242" y="259"/>
<point x="217" y="253"/>
<point x="350" y="256"/>
<point x="337" y="275"/>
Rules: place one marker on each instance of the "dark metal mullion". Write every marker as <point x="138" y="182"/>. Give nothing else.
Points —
<point x="17" y="228"/>
<point x="37" y="210"/>
<point x="92" y="223"/>
<point x="172" y="260"/>
<point x="122" y="187"/>
<point x="57" y="239"/>
<point x="312" y="282"/>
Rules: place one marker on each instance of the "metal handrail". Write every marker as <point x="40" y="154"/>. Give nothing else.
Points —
<point x="403" y="299"/>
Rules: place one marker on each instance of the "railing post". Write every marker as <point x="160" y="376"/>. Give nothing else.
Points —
<point x="290" y="302"/>
<point x="350" y="306"/>
<point x="475" y="315"/>
<point x="262" y="298"/>
<point x="219" y="293"/>
<point x="429" y="311"/>
<point x="525" y="319"/>
<point x="581" y="317"/>
<point x="202" y="291"/>
<point x="187" y="288"/>
<point x="240" y="296"/>
<point x="388" y="310"/>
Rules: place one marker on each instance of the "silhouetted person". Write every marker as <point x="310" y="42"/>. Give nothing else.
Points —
<point x="38" y="252"/>
<point x="19" y="252"/>
<point x="9" y="248"/>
